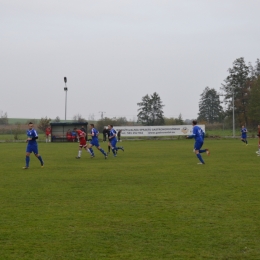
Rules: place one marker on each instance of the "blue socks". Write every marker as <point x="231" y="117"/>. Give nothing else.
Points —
<point x="27" y="161"/>
<point x="102" y="151"/>
<point x="91" y="150"/>
<point x="200" y="158"/>
<point x="40" y="159"/>
<point x="114" y="151"/>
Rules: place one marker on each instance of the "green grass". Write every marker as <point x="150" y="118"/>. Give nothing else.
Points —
<point x="151" y="202"/>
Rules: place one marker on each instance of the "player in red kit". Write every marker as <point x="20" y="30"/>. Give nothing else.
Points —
<point x="82" y="142"/>
<point x="48" y="134"/>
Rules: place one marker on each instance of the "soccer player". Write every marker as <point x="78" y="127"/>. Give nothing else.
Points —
<point x="243" y="134"/>
<point x="48" y="134"/>
<point x="94" y="142"/>
<point x="32" y="146"/>
<point x="258" y="152"/>
<point x="113" y="140"/>
<point x="198" y="134"/>
<point x="82" y="142"/>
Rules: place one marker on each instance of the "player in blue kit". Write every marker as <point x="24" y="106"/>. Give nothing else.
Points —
<point x="113" y="140"/>
<point x="198" y="134"/>
<point x="244" y="135"/>
<point x="32" y="146"/>
<point x="94" y="142"/>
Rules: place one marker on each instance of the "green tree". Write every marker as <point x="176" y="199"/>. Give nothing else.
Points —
<point x="151" y="110"/>
<point x="17" y="130"/>
<point x="3" y="118"/>
<point x="44" y="123"/>
<point x="179" y="120"/>
<point x="254" y="102"/>
<point x="57" y="119"/>
<point x="79" y="118"/>
<point x="238" y="81"/>
<point x="210" y="109"/>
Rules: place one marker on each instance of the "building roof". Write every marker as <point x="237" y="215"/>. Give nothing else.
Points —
<point x="69" y="123"/>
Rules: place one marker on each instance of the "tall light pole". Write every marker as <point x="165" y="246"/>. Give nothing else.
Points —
<point x="66" y="90"/>
<point x="102" y="114"/>
<point x="233" y="97"/>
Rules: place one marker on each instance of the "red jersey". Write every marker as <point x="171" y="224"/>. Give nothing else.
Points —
<point x="48" y="131"/>
<point x="81" y="134"/>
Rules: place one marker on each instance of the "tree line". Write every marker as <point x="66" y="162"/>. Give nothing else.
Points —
<point x="241" y="86"/>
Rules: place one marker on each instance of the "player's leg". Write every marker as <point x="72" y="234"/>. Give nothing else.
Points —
<point x="101" y="150"/>
<point x="198" y="145"/>
<point x="118" y="147"/>
<point x="86" y="148"/>
<point x="109" y="146"/>
<point x="27" y="158"/>
<point x="91" y="150"/>
<point x="49" y="138"/>
<point x="113" y="147"/>
<point x="205" y="151"/>
<point x="79" y="152"/>
<point x="243" y="140"/>
<point x="35" y="151"/>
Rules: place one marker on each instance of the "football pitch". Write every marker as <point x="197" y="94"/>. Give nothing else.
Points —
<point x="150" y="202"/>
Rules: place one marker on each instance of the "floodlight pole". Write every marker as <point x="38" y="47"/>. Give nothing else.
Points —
<point x="233" y="94"/>
<point x="66" y="90"/>
<point x="102" y="114"/>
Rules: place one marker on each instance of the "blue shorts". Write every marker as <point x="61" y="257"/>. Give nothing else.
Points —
<point x="32" y="149"/>
<point x="198" y="145"/>
<point x="113" y="142"/>
<point x="243" y="136"/>
<point x="95" y="142"/>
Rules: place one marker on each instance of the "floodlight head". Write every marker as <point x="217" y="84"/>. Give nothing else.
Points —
<point x="65" y="79"/>
<point x="65" y="89"/>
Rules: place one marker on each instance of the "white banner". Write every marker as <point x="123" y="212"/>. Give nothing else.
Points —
<point x="168" y="130"/>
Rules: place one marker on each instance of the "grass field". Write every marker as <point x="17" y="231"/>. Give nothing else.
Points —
<point x="151" y="202"/>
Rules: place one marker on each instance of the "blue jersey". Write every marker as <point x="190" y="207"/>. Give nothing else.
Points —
<point x="94" y="133"/>
<point x="32" y="134"/>
<point x="244" y="131"/>
<point x="198" y="134"/>
<point x="112" y="133"/>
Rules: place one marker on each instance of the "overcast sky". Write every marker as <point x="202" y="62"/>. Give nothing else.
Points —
<point x="115" y="52"/>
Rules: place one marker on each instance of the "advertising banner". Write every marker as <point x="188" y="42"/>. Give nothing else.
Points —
<point x="168" y="130"/>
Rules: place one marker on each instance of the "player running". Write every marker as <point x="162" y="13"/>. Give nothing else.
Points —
<point x="198" y="134"/>
<point x="112" y="140"/>
<point x="82" y="142"/>
<point x="94" y="142"/>
<point x="32" y="146"/>
<point x="244" y="135"/>
<point x="258" y="152"/>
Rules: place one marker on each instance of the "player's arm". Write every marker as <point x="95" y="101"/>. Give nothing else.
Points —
<point x="112" y="136"/>
<point x="35" y="136"/>
<point x="193" y="134"/>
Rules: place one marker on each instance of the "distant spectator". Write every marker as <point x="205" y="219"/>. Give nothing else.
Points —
<point x="119" y="135"/>
<point x="68" y="135"/>
<point x="104" y="134"/>
<point x="74" y="136"/>
<point x="48" y="134"/>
